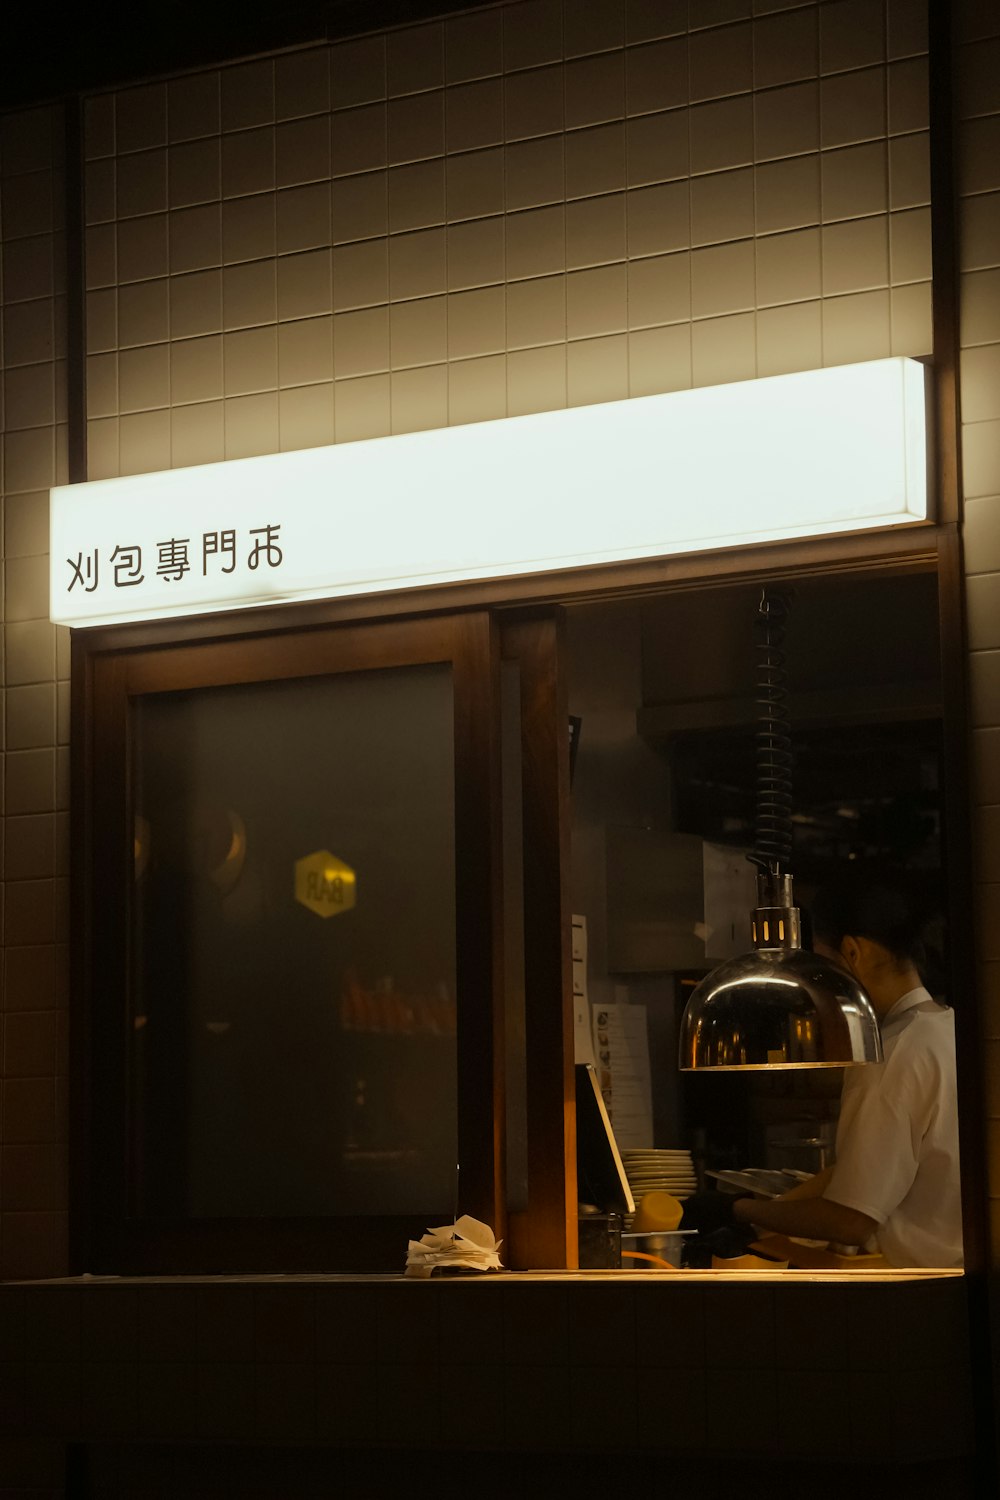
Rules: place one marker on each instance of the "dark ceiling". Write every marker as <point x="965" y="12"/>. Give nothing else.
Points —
<point x="47" y="53"/>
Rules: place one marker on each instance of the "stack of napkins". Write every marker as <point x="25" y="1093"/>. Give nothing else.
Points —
<point x="466" y="1245"/>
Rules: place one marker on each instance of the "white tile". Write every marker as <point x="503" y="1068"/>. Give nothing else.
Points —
<point x="197" y="434"/>
<point x="302" y="83"/>
<point x="979" y="233"/>
<point x="595" y="160"/>
<point x="984" y="705"/>
<point x="532" y="33"/>
<point x="473" y="46"/>
<point x="144" y="442"/>
<point x="658" y="147"/>
<point x="909" y="170"/>
<point x="305" y="416"/>
<point x="302" y="151"/>
<point x="855" y="255"/>
<point x="533" y="103"/>
<point x="657" y="76"/>
<point x="416" y="127"/>
<point x="595" y="230"/>
<point x="305" y="353"/>
<point x="855" y="181"/>
<point x="536" y="311"/>
<point x="474" y="115"/>
<point x="856" y="328"/>
<point x="981" y="459"/>
<point x="361" y="408"/>
<point x="979" y="161"/>
<point x="416" y="196"/>
<point x="659" y="289"/>
<point x="536" y="242"/>
<point x="474" y="184"/>
<point x="979" y="78"/>
<point x="980" y="383"/>
<point x="981" y="534"/>
<point x="419" y="331"/>
<point x="722" y="134"/>
<point x="361" y="342"/>
<point x="594" y="89"/>
<point x="415" y="58"/>
<point x="853" y="107"/>
<point x="788" y="267"/>
<point x="419" y="398"/>
<point x="248" y="94"/>
<point x="594" y="27"/>
<point x="251" y="425"/>
<point x="723" y="349"/>
<point x="659" y="218"/>
<point x="982" y="613"/>
<point x="659" y="359"/>
<point x="193" y="106"/>
<point x="910" y="245"/>
<point x="596" y="301"/>
<point x="417" y="264"/>
<point x="789" y="338"/>
<point x="722" y="280"/>
<point x="908" y="96"/>
<point x="249" y="362"/>
<point x="722" y="206"/>
<point x="360" y="274"/>
<point x="851" y="35"/>
<point x="536" y="379"/>
<point x="786" y="121"/>
<point x="721" y="61"/>
<point x="787" y="193"/>
<point x="477" y="389"/>
<point x="357" y="71"/>
<point x="979" y="307"/>
<point x="785" y="48"/>
<point x="475" y="253"/>
<point x="911" y="312"/>
<point x="597" y="370"/>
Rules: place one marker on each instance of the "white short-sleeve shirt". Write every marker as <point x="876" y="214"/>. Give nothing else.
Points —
<point x="897" y="1139"/>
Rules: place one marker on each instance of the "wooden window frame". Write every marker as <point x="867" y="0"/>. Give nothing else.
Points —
<point x="110" y="669"/>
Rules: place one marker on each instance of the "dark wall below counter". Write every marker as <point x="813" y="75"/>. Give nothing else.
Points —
<point x="710" y="1375"/>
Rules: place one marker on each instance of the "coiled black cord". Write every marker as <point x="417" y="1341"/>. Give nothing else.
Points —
<point x="773" y="834"/>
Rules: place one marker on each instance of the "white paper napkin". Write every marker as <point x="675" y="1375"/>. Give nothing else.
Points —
<point x="465" y="1245"/>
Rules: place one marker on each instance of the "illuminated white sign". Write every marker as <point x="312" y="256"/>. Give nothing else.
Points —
<point x="790" y="456"/>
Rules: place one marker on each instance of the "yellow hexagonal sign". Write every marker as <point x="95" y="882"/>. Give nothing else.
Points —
<point x="325" y="884"/>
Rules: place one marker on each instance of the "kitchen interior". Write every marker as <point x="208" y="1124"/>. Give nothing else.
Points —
<point x="663" y="807"/>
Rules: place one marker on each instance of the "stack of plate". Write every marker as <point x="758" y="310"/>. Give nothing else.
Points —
<point x="659" y="1172"/>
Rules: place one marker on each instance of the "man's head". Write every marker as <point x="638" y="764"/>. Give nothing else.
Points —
<point x="870" y="927"/>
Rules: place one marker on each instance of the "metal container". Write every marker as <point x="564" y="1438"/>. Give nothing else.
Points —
<point x="665" y="1244"/>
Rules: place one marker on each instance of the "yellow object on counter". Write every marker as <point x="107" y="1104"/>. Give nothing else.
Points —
<point x="657" y="1212"/>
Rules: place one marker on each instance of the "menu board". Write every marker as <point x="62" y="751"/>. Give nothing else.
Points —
<point x="622" y="1047"/>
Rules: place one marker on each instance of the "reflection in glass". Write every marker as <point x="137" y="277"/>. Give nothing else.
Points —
<point x="294" y="1057"/>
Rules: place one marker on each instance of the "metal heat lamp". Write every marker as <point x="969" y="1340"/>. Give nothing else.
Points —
<point x="777" y="1006"/>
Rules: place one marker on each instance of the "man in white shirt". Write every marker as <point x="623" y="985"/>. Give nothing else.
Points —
<point x="895" y="1186"/>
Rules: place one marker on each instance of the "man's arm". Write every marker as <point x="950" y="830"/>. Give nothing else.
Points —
<point x="807" y="1218"/>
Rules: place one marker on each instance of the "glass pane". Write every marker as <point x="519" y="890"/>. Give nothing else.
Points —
<point x="292" y="1026"/>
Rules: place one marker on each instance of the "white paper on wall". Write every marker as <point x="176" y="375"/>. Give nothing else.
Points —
<point x="583" y="1040"/>
<point x="623" y="1072"/>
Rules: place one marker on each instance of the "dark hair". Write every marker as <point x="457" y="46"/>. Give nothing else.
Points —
<point x="875" y="908"/>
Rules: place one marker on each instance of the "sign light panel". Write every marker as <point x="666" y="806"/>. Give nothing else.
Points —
<point x="797" y="455"/>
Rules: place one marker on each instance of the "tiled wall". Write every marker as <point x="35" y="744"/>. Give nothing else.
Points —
<point x="719" y="1371"/>
<point x="978" y="71"/>
<point x="35" y="690"/>
<point x="532" y="205"/>
<point x="536" y="204"/>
